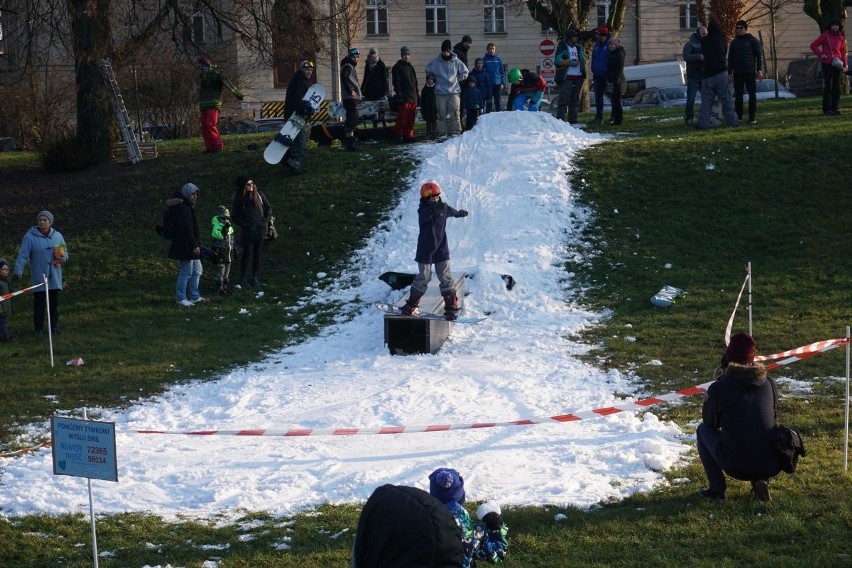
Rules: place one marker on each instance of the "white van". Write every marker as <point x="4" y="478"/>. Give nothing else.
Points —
<point x="665" y="74"/>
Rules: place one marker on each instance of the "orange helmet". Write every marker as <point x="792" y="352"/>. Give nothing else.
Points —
<point x="429" y="189"/>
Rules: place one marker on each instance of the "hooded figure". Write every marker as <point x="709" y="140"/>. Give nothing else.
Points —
<point x="405" y="527"/>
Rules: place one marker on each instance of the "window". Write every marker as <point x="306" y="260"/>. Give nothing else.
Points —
<point x="495" y="16"/>
<point x="196" y="28"/>
<point x="688" y="15"/>
<point x="377" y="17"/>
<point x="602" y="11"/>
<point x="2" y="38"/>
<point x="436" y="17"/>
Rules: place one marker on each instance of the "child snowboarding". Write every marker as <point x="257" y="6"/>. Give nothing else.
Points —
<point x="432" y="248"/>
<point x="223" y="246"/>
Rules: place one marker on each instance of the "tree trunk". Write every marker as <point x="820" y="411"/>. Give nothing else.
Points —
<point x="90" y="30"/>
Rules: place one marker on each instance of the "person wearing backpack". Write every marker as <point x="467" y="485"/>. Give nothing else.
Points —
<point x="737" y="433"/>
<point x="182" y="224"/>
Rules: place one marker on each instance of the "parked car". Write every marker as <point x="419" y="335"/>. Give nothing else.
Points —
<point x="662" y="97"/>
<point x="766" y="90"/>
<point x="804" y="77"/>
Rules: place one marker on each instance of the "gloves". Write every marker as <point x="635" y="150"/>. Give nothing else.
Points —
<point x="306" y="109"/>
<point x="463" y="213"/>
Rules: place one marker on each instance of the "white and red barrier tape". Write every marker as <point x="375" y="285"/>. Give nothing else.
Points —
<point x="13" y="294"/>
<point x="790" y="356"/>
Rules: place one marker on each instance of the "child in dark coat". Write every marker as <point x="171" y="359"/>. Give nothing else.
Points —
<point x="223" y="246"/>
<point x="428" y="107"/>
<point x="472" y="102"/>
<point x="432" y="248"/>
<point x="5" y="304"/>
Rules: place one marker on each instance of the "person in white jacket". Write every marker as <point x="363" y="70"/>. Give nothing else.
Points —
<point x="449" y="73"/>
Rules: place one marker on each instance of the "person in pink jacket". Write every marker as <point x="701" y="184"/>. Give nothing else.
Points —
<point x="830" y="48"/>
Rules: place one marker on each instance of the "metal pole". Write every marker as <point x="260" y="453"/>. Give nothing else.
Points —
<point x="750" y="326"/>
<point x="846" y="428"/>
<point x="335" y="76"/>
<point x="49" y="325"/>
<point x="92" y="516"/>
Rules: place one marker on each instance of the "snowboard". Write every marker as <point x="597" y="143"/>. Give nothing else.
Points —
<point x="279" y="146"/>
<point x="391" y="309"/>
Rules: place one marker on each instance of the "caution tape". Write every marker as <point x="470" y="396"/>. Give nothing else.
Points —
<point x="21" y="451"/>
<point x="13" y="294"/>
<point x="790" y="356"/>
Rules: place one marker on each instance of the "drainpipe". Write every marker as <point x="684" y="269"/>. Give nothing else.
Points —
<point x="638" y="49"/>
<point x="335" y="56"/>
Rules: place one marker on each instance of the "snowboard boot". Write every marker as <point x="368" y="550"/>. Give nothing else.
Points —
<point x="349" y="144"/>
<point x="411" y="305"/>
<point x="220" y="288"/>
<point x="295" y="167"/>
<point x="243" y="282"/>
<point x="451" y="306"/>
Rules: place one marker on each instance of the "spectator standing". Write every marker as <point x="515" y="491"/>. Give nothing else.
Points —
<point x="570" y="75"/>
<point x="251" y="212"/>
<point x="497" y="75"/>
<point x="830" y="47"/>
<point x="600" y="55"/>
<point x="461" y="50"/>
<point x="714" y="78"/>
<point x="186" y="244"/>
<point x="449" y="73"/>
<point x="351" y="97"/>
<point x="223" y="246"/>
<point x="5" y="303"/>
<point x="744" y="63"/>
<point x="615" y="77"/>
<point x="433" y="249"/>
<point x="405" y="86"/>
<point x="428" y="107"/>
<point x="374" y="85"/>
<point x="44" y="249"/>
<point x="736" y="435"/>
<point x="694" y="63"/>
<point x="210" y="83"/>
<point x="472" y="102"/>
<point x="483" y="81"/>
<point x="294" y="104"/>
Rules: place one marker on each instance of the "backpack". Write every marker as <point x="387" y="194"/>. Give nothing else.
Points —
<point x="167" y="230"/>
<point x="790" y="446"/>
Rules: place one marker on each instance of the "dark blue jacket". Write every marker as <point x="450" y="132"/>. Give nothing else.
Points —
<point x="432" y="244"/>
<point x="483" y="81"/>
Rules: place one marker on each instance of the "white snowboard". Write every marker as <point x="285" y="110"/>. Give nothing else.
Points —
<point x="279" y="146"/>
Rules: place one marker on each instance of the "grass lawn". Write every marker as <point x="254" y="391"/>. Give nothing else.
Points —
<point x="671" y="206"/>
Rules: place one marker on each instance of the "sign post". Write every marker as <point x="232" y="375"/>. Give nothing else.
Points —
<point x="547" y="67"/>
<point x="84" y="448"/>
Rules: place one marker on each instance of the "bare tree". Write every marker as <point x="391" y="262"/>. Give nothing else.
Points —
<point x="85" y="31"/>
<point x="564" y="15"/>
<point x="824" y="11"/>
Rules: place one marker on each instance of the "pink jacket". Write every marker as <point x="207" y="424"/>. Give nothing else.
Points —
<point x="829" y="45"/>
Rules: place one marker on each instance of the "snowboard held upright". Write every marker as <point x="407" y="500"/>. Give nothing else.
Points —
<point x="280" y="145"/>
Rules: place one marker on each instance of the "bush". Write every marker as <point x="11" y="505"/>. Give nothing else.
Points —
<point x="65" y="154"/>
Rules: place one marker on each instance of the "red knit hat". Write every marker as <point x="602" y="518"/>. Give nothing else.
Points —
<point x="741" y="349"/>
<point x="603" y="30"/>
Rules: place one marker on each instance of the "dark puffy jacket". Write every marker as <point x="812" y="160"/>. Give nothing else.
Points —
<point x="432" y="244"/>
<point x="296" y="90"/>
<point x="742" y="404"/>
<point x="405" y="527"/>
<point x="405" y="81"/>
<point x="428" y="105"/>
<point x="253" y="221"/>
<point x="374" y="85"/>
<point x="744" y="55"/>
<point x="714" y="48"/>
<point x="187" y="236"/>
<point x="615" y="65"/>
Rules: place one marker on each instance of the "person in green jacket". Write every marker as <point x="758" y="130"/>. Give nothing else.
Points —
<point x="210" y="82"/>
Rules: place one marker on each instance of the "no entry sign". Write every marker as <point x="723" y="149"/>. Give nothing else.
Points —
<point x="547" y="47"/>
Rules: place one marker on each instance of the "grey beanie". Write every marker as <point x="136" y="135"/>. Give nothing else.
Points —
<point x="47" y="214"/>
<point x="188" y="189"/>
<point x="3" y="262"/>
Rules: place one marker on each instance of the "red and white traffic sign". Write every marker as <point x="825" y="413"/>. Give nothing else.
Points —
<point x="547" y="47"/>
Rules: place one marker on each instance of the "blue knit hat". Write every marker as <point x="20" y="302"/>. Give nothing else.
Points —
<point x="446" y="485"/>
<point x="188" y="189"/>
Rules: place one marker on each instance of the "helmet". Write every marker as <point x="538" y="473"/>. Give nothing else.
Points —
<point x="429" y="189"/>
<point x="307" y="64"/>
<point x="514" y="75"/>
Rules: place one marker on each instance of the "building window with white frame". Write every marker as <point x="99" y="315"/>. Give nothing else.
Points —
<point x="377" y="17"/>
<point x="436" y="17"/>
<point x="495" y="16"/>
<point x="602" y="12"/>
<point x="688" y="15"/>
<point x="196" y="28"/>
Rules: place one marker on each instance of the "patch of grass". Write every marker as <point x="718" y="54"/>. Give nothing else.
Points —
<point x="704" y="202"/>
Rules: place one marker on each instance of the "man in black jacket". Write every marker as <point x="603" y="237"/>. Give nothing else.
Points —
<point x="615" y="77"/>
<point x="715" y="80"/>
<point x="744" y="63"/>
<point x="293" y="104"/>
<point x="186" y="245"/>
<point x="406" y="88"/>
<point x="736" y="435"/>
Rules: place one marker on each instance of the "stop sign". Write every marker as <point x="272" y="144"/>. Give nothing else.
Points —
<point x="546" y="47"/>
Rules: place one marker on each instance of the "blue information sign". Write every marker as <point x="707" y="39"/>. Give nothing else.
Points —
<point x="84" y="448"/>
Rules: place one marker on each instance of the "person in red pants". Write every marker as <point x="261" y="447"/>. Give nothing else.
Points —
<point x="405" y="87"/>
<point x="210" y="83"/>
